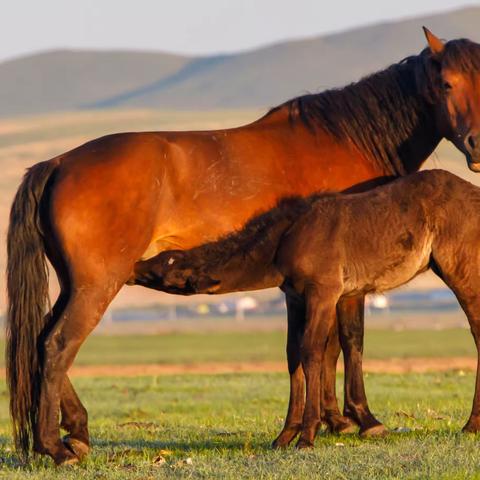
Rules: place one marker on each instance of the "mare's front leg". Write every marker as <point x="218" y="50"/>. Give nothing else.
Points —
<point x="350" y="314"/>
<point x="293" y="421"/>
<point x="320" y="320"/>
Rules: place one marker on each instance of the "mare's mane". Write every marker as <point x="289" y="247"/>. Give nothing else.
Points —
<point x="381" y="111"/>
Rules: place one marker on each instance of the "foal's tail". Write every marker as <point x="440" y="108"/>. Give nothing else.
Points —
<point x="27" y="288"/>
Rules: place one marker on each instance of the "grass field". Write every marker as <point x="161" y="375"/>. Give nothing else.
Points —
<point x="224" y="424"/>
<point x="221" y="426"/>
<point x="260" y="347"/>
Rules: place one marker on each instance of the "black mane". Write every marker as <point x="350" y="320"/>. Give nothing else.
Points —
<point x="381" y="111"/>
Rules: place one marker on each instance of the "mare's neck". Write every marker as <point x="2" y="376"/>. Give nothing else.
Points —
<point x="424" y="138"/>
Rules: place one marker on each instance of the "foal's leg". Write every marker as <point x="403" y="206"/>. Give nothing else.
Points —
<point x="468" y="296"/>
<point x="337" y="423"/>
<point x="351" y="324"/>
<point x="320" y="318"/>
<point x="472" y="309"/>
<point x="460" y="270"/>
<point x="293" y="421"/>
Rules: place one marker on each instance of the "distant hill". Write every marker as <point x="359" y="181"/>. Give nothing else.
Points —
<point x="69" y="80"/>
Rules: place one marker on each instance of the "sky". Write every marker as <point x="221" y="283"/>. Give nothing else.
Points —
<point x="188" y="26"/>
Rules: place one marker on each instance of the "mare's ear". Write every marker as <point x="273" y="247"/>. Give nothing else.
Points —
<point x="435" y="44"/>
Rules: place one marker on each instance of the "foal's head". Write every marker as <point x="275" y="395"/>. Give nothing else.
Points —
<point x="176" y="271"/>
<point x="453" y="70"/>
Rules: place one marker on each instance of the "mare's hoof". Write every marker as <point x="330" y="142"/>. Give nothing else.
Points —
<point x="65" y="457"/>
<point x="376" y="431"/>
<point x="68" y="461"/>
<point x="79" y="448"/>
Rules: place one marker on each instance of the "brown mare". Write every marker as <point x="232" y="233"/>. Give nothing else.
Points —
<point x="97" y="210"/>
<point x="328" y="247"/>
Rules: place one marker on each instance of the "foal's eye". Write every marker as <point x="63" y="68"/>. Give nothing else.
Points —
<point x="447" y="86"/>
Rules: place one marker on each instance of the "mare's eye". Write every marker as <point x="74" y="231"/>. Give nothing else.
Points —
<point x="447" y="86"/>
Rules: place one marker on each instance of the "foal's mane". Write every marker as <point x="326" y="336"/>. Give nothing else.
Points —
<point x="380" y="112"/>
<point x="256" y="233"/>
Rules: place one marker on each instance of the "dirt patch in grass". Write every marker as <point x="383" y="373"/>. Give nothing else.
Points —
<point x="393" y="365"/>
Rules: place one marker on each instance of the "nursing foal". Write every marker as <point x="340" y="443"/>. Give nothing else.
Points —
<point x="328" y="247"/>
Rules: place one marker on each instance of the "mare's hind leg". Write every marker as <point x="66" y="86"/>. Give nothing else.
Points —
<point x="293" y="421"/>
<point x="74" y="415"/>
<point x="84" y="309"/>
<point x="350" y="314"/>
<point x="74" y="420"/>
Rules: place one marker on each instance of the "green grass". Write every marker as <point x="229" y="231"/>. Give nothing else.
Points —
<point x="260" y="346"/>
<point x="225" y="424"/>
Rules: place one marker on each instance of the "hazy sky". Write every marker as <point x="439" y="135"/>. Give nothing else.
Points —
<point x="188" y="26"/>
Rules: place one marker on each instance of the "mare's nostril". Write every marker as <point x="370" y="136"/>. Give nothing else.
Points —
<point x="471" y="142"/>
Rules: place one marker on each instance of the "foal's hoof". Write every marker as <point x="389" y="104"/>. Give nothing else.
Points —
<point x="376" y="431"/>
<point x="79" y="448"/>
<point x="287" y="435"/>
<point x="303" y="444"/>
<point x="341" y="425"/>
<point x="471" y="428"/>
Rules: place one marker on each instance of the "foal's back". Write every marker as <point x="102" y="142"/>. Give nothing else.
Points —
<point x="380" y="239"/>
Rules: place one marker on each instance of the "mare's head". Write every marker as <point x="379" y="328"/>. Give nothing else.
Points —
<point x="453" y="73"/>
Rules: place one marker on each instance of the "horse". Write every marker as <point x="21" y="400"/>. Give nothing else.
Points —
<point x="328" y="247"/>
<point x="97" y="210"/>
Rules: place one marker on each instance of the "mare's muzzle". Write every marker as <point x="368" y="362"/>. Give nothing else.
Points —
<point x="471" y="146"/>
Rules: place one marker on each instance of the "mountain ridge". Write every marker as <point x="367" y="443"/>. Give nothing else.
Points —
<point x="67" y="79"/>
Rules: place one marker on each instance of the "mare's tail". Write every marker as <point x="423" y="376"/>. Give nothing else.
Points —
<point x="27" y="289"/>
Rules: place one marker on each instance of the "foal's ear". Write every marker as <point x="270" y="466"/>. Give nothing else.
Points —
<point x="170" y="258"/>
<point x="206" y="284"/>
<point x="435" y="44"/>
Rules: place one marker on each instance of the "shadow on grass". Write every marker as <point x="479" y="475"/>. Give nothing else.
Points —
<point x="117" y="451"/>
<point x="185" y="446"/>
<point x="263" y="446"/>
